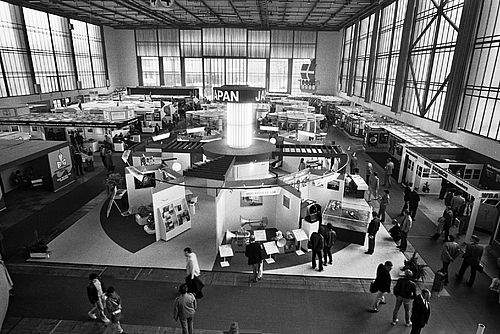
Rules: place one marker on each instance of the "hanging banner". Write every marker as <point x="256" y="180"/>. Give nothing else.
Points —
<point x="60" y="168"/>
<point x="261" y="192"/>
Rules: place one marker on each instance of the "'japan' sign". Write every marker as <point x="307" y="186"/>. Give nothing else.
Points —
<point x="238" y="94"/>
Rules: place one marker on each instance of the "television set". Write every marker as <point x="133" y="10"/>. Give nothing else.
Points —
<point x="148" y="182"/>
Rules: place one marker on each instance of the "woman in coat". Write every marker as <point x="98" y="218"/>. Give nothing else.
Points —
<point x="382" y="284"/>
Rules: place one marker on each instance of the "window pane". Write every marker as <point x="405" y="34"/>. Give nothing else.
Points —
<point x="82" y="54"/>
<point x="304" y="44"/>
<point x="61" y="38"/>
<point x="168" y="40"/>
<point x="214" y="74"/>
<point x="236" y="71"/>
<point x="147" y="43"/>
<point x="257" y="72"/>
<point x="259" y="43"/>
<point x="172" y="71"/>
<point x="236" y="42"/>
<point x="97" y="55"/>
<point x="346" y="58"/>
<point x="213" y="41"/>
<point x="191" y="43"/>
<point x="193" y="69"/>
<point x="278" y="81"/>
<point x="281" y="43"/>
<point x="150" y="71"/>
<point x="13" y="51"/>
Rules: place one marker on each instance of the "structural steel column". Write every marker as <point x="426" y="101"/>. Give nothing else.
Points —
<point x="371" y="62"/>
<point x="460" y="65"/>
<point x="404" y="52"/>
<point x="352" y="61"/>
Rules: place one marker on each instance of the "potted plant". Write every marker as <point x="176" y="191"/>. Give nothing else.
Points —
<point x="38" y="249"/>
<point x="149" y="228"/>
<point x="416" y="268"/>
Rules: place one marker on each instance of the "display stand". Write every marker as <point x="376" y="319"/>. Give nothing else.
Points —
<point x="176" y="218"/>
<point x="270" y="248"/>
<point x="225" y="251"/>
<point x="260" y="235"/>
<point x="300" y="235"/>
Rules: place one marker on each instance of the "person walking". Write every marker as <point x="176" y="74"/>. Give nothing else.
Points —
<point x="444" y="224"/>
<point x="421" y="311"/>
<point x="330" y="238"/>
<point x="472" y="258"/>
<point x="382" y="284"/>
<point x="317" y="243"/>
<point x="414" y="199"/>
<point x="109" y="161"/>
<point x="457" y="203"/>
<point x="444" y="188"/>
<point x="77" y="157"/>
<point x="449" y="196"/>
<point x="373" y="228"/>
<point x="353" y="164"/>
<point x="406" y="225"/>
<point x="114" y="310"/>
<point x="373" y="186"/>
<point x="388" y="169"/>
<point x="254" y="254"/>
<point x="406" y="197"/>
<point x="369" y="171"/>
<point x="451" y="250"/>
<point x="405" y="291"/>
<point x="384" y="203"/>
<point x="193" y="282"/>
<point x="96" y="298"/>
<point x="184" y="309"/>
<point x="302" y="164"/>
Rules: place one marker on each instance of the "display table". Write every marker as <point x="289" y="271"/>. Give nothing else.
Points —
<point x="349" y="218"/>
<point x="119" y="147"/>
<point x="135" y="138"/>
<point x="361" y="186"/>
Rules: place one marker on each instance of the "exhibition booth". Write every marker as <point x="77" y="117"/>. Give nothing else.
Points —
<point x="476" y="175"/>
<point x="34" y="164"/>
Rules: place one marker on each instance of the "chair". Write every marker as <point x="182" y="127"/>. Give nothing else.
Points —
<point x="193" y="203"/>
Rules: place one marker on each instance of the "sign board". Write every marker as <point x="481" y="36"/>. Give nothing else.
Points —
<point x="111" y="200"/>
<point x="270" y="248"/>
<point x="125" y="156"/>
<point x="239" y="94"/>
<point x="195" y="130"/>
<point x="60" y="168"/>
<point x="325" y="179"/>
<point x="261" y="192"/>
<point x="300" y="234"/>
<point x="269" y="128"/>
<point x="260" y="235"/>
<point x="225" y="251"/>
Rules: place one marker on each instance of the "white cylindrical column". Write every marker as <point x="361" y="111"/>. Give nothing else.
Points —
<point x="480" y="328"/>
<point x="240" y="119"/>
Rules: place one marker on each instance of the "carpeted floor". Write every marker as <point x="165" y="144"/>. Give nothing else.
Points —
<point x="124" y="230"/>
<point x="381" y="159"/>
<point x="238" y="262"/>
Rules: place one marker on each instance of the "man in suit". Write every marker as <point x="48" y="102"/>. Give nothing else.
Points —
<point x="317" y="243"/>
<point x="382" y="284"/>
<point x="406" y="225"/>
<point x="414" y="199"/>
<point x="373" y="228"/>
<point x="421" y="311"/>
<point x="254" y="255"/>
<point x="472" y="259"/>
<point x="451" y="250"/>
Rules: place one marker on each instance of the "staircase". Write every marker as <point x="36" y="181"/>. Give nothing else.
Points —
<point x="214" y="169"/>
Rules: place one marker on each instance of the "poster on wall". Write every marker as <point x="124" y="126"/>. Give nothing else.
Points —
<point x="60" y="168"/>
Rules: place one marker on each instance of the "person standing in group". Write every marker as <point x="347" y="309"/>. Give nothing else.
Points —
<point x="447" y="221"/>
<point x="253" y="252"/>
<point x="184" y="309"/>
<point x="373" y="228"/>
<point x="353" y="164"/>
<point x="102" y="153"/>
<point x="406" y="197"/>
<point x="330" y="238"/>
<point x="109" y="161"/>
<point x="449" y="196"/>
<point x="414" y="199"/>
<point x="369" y="171"/>
<point x="382" y="284"/>
<point x="405" y="291"/>
<point x="472" y="258"/>
<point x="302" y="164"/>
<point x="444" y="188"/>
<point x="388" y="169"/>
<point x="96" y="298"/>
<point x="114" y="310"/>
<point x="421" y="311"/>
<point x="457" y="204"/>
<point x="406" y="225"/>
<point x="384" y="203"/>
<point x="317" y="243"/>
<point x="451" y="250"/>
<point x="373" y="186"/>
<point x="193" y="282"/>
<point x="77" y="157"/>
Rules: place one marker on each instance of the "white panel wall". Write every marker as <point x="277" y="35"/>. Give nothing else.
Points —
<point x="287" y="219"/>
<point x="328" y="50"/>
<point x="121" y="57"/>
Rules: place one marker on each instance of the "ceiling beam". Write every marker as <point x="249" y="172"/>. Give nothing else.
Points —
<point x="132" y="5"/>
<point x="212" y="11"/>
<point x="79" y="9"/>
<point x="341" y="8"/>
<point x="235" y="11"/>
<point x="116" y="12"/>
<point x="313" y="7"/>
<point x="189" y="12"/>
<point x="363" y="13"/>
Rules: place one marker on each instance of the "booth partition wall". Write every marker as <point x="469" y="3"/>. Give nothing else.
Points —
<point x="43" y="53"/>
<point x="211" y="57"/>
<point x="408" y="53"/>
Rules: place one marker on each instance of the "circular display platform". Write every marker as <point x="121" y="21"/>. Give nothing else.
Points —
<point x="258" y="150"/>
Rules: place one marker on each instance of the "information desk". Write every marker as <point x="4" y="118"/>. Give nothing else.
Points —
<point x="349" y="218"/>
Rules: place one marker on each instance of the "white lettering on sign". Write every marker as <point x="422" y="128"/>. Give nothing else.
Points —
<point x="261" y="192"/>
<point x="61" y="161"/>
<point x="228" y="96"/>
<point x="260" y="96"/>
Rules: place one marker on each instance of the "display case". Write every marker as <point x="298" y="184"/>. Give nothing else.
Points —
<point x="349" y="218"/>
<point x="176" y="218"/>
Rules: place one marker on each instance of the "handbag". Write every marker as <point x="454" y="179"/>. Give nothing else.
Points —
<point x="373" y="287"/>
<point x="479" y="267"/>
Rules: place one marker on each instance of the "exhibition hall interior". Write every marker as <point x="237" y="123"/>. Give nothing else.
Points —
<point x="316" y="157"/>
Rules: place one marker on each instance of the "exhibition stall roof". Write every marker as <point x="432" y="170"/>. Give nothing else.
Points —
<point x="455" y="155"/>
<point x="416" y="137"/>
<point x="66" y="120"/>
<point x="183" y="147"/>
<point x="17" y="152"/>
<point x="309" y="150"/>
